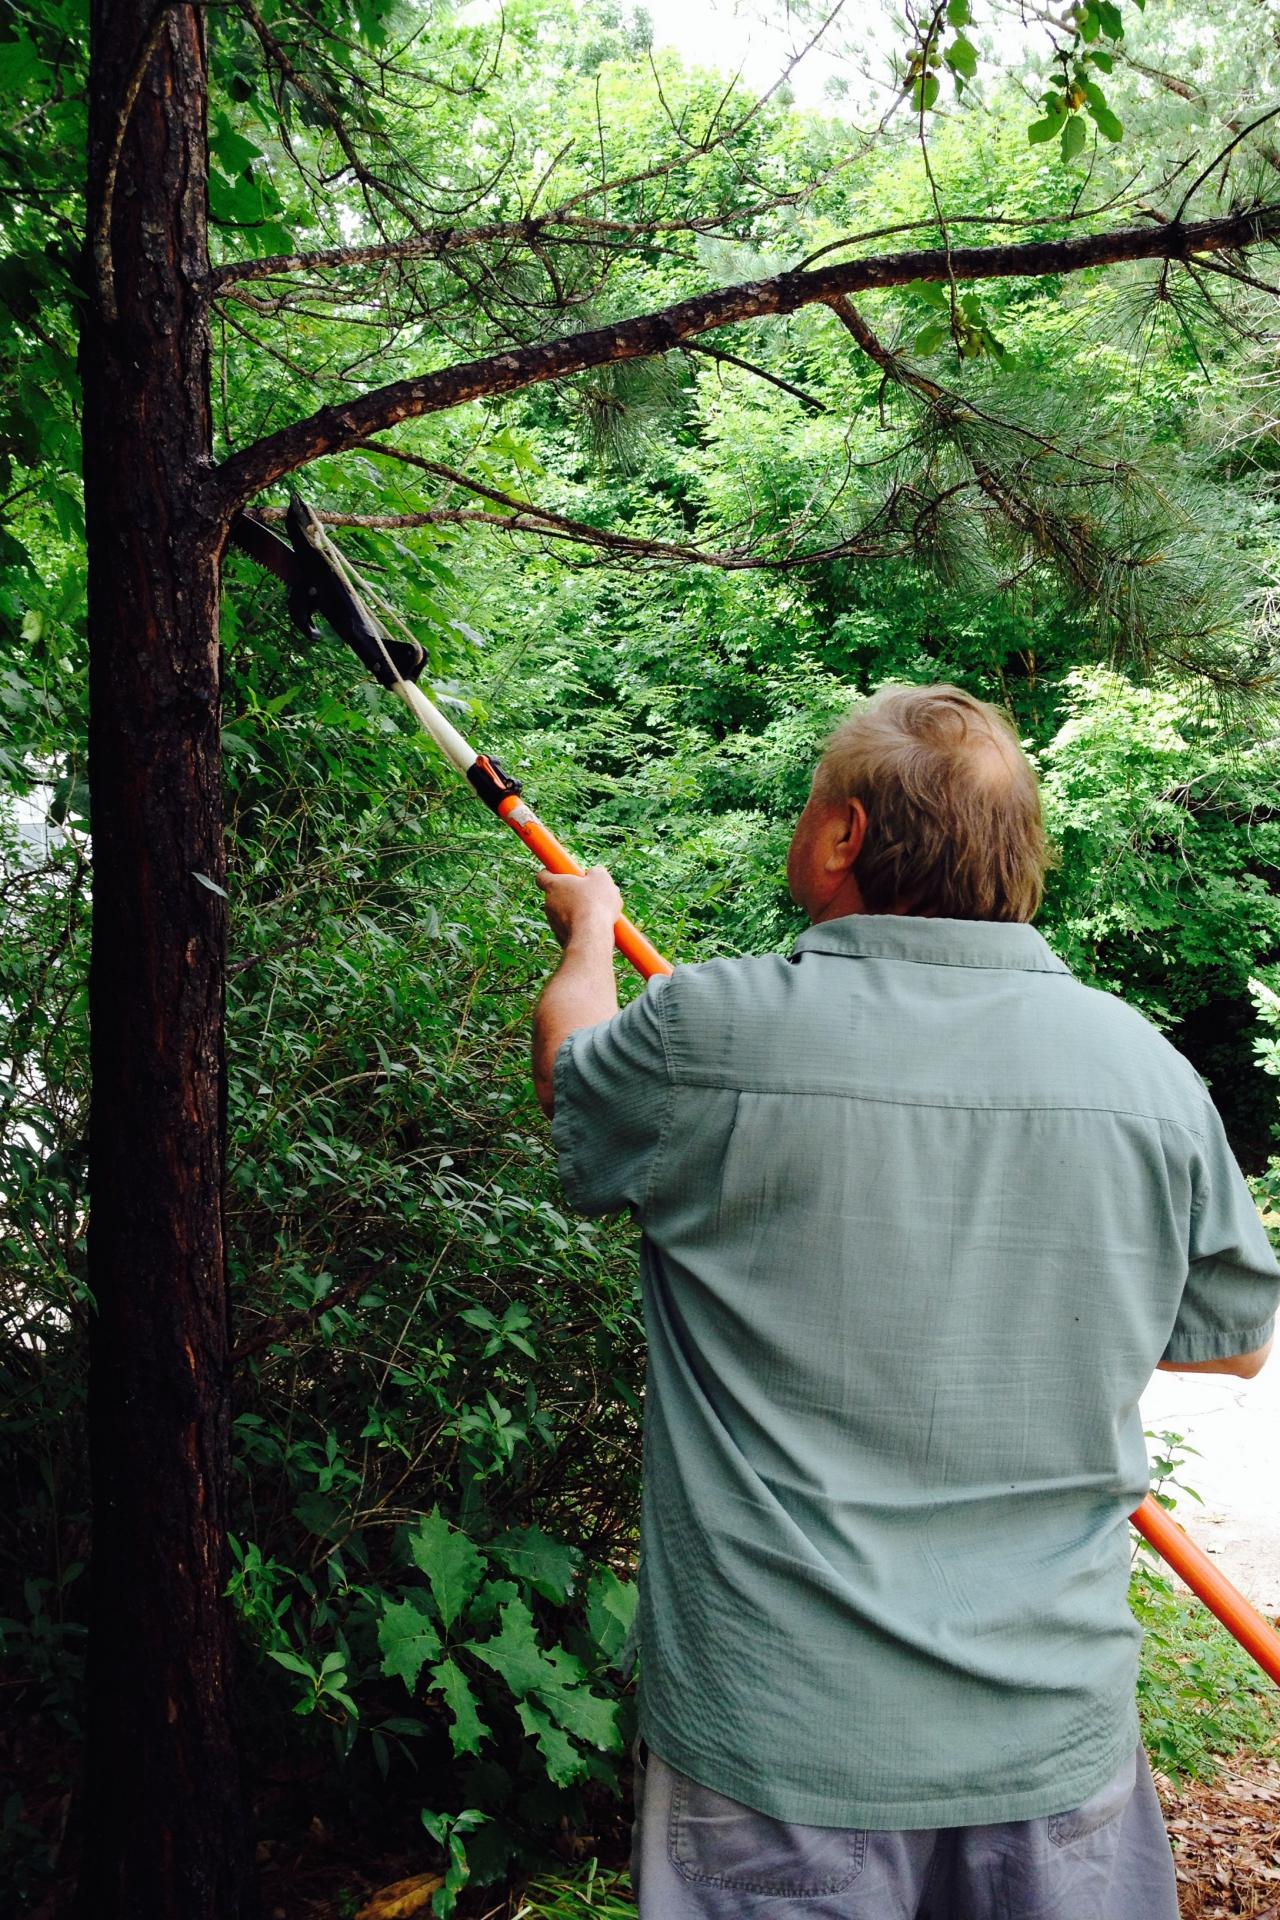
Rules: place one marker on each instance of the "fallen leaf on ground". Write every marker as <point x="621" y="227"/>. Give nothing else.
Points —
<point x="402" y="1899"/>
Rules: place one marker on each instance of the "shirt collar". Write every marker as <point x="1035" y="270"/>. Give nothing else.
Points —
<point x="933" y="943"/>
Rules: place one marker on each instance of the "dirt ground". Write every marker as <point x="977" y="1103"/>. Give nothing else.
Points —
<point x="1226" y="1843"/>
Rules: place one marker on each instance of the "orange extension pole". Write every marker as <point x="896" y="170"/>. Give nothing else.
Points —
<point x="1245" y="1624"/>
<point x="628" y="939"/>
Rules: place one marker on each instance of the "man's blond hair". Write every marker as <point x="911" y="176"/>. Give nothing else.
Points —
<point x="953" y="806"/>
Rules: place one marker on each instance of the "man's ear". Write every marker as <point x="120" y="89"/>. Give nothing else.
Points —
<point x="843" y="850"/>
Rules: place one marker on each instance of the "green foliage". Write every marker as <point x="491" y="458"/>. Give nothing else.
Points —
<point x="449" y="1833"/>
<point x="604" y="1896"/>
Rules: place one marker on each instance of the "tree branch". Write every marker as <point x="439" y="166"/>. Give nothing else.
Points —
<point x="524" y="517"/>
<point x="553" y="526"/>
<point x="282" y="1325"/>
<point x="560" y="224"/>
<point x="335" y="428"/>
<point x="277" y="53"/>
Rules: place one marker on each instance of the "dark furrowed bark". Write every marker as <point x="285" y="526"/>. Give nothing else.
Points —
<point x="334" y="428"/>
<point x="164" y="1829"/>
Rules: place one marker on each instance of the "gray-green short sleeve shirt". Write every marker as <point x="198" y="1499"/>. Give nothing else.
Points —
<point x="920" y="1213"/>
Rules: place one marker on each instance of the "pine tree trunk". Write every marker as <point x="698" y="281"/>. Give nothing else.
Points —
<point x="164" y="1824"/>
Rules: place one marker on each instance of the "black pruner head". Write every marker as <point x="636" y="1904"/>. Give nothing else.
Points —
<point x="320" y="588"/>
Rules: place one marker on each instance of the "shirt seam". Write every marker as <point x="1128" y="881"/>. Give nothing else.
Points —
<point x="669" y="1109"/>
<point x="938" y="1106"/>
<point x="1059" y="972"/>
<point x="564" y="1121"/>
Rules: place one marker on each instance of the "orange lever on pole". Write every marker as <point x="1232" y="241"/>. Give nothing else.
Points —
<point x="628" y="939"/>
<point x="1256" y="1635"/>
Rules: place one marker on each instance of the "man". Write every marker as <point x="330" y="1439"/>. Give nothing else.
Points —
<point x="921" y="1215"/>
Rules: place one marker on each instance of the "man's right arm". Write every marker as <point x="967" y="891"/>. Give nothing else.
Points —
<point x="1226" y="1316"/>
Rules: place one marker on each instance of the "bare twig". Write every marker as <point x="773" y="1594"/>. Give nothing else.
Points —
<point x="1218" y="158"/>
<point x="761" y="373"/>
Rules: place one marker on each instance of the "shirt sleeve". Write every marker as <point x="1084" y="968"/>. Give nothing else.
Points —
<point x="1233" y="1284"/>
<point x="613" y="1098"/>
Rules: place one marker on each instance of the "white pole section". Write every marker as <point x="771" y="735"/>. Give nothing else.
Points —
<point x="432" y="721"/>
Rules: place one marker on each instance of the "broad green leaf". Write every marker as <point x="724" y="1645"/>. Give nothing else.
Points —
<point x="467" y="1728"/>
<point x="566" y="1670"/>
<point x="514" y="1651"/>
<point x="451" y="1563"/>
<point x="1109" y="19"/>
<point x="231" y="150"/>
<point x="564" y="1762"/>
<point x="490" y="1599"/>
<point x="962" y="56"/>
<point x="584" y="1714"/>
<point x="1041" y="130"/>
<point x="292" y="1662"/>
<point x="578" y="1709"/>
<point x="930" y="338"/>
<point x="1106" y="122"/>
<point x="1073" y="136"/>
<point x="530" y="1554"/>
<point x="932" y="292"/>
<point x="611" y="1608"/>
<point x="19" y="61"/>
<point x="958" y="13"/>
<point x="924" y="91"/>
<point x="407" y="1640"/>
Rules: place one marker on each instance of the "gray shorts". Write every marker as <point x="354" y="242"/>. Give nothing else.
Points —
<point x="699" y="1856"/>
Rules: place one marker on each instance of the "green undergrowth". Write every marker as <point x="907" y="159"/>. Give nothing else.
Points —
<point x="590" y="1891"/>
<point x="1201" y="1698"/>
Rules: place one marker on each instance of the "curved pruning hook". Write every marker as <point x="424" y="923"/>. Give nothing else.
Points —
<point x="319" y="581"/>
